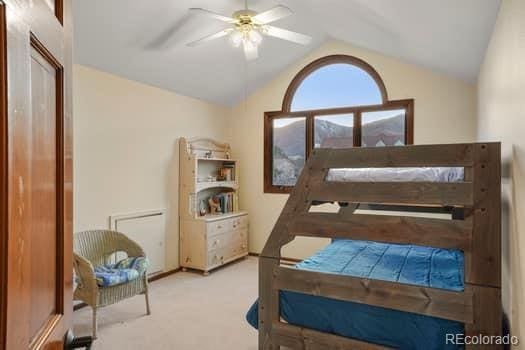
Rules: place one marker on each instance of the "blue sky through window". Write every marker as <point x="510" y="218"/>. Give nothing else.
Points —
<point x="336" y="85"/>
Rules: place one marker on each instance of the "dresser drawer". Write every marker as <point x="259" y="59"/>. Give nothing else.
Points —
<point x="226" y="225"/>
<point x="223" y="255"/>
<point x="226" y="239"/>
<point x="240" y="222"/>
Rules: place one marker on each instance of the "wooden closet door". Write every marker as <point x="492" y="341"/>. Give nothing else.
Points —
<point x="35" y="173"/>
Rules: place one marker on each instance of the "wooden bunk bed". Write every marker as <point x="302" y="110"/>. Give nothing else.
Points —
<point x="477" y="234"/>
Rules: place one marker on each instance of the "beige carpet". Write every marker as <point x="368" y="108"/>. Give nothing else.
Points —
<point x="189" y="311"/>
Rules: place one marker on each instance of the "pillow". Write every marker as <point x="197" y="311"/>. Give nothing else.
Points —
<point x="124" y="271"/>
<point x="140" y="264"/>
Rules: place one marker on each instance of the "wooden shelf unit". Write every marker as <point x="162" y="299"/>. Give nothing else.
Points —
<point x="211" y="240"/>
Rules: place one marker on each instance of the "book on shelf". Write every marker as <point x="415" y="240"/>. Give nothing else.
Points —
<point x="228" y="202"/>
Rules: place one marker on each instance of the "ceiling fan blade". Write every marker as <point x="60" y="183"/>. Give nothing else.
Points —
<point x="210" y="37"/>
<point x="212" y="14"/>
<point x="250" y="51"/>
<point x="287" y="35"/>
<point x="272" y="15"/>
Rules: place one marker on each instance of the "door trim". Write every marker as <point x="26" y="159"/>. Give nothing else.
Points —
<point x="3" y="175"/>
<point x="45" y="332"/>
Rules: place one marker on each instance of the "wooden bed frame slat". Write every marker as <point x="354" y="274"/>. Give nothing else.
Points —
<point x="453" y="155"/>
<point x="298" y="338"/>
<point x="433" y="193"/>
<point x="455" y="306"/>
<point x="439" y="233"/>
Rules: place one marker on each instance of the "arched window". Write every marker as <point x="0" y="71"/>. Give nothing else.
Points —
<point x="343" y="85"/>
<point x="336" y="101"/>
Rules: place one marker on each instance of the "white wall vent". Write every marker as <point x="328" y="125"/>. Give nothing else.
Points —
<point x="147" y="228"/>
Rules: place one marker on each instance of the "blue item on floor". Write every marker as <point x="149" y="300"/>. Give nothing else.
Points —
<point x="409" y="264"/>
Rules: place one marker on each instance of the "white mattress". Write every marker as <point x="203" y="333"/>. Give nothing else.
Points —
<point x="435" y="174"/>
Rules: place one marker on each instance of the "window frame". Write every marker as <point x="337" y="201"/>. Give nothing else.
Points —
<point x="357" y="111"/>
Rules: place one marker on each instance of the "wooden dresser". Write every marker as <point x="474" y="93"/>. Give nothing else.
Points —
<point x="208" y="240"/>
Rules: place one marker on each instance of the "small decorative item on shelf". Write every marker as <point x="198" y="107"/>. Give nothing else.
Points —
<point x="202" y="209"/>
<point x="227" y="155"/>
<point x="212" y="178"/>
<point x="224" y="174"/>
<point x="227" y="171"/>
<point x="215" y="207"/>
<point x="209" y="154"/>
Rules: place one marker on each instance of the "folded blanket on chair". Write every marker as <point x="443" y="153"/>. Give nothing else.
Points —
<point x="123" y="271"/>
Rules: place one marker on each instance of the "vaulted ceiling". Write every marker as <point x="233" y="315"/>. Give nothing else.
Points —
<point x="146" y="40"/>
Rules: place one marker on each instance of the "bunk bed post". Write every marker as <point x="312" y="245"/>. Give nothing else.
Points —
<point x="483" y="262"/>
<point x="268" y="303"/>
<point x="269" y="260"/>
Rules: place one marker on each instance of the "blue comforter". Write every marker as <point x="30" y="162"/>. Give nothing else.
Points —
<point x="422" y="266"/>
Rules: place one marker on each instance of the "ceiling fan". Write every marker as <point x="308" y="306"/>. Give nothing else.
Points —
<point x="247" y="28"/>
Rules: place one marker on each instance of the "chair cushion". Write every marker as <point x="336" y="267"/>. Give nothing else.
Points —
<point x="124" y="271"/>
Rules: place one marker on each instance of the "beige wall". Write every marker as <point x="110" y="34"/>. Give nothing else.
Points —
<point x="445" y="111"/>
<point x="126" y="158"/>
<point x="501" y="106"/>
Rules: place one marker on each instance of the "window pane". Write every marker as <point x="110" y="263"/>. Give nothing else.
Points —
<point x="289" y="150"/>
<point x="334" y="131"/>
<point x="336" y="85"/>
<point x="383" y="128"/>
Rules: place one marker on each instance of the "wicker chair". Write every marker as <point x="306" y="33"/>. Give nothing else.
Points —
<point x="95" y="248"/>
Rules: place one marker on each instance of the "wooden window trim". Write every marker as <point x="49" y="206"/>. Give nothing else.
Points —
<point x="357" y="111"/>
<point x="59" y="11"/>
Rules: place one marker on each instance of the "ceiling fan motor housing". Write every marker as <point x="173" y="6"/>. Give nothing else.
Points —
<point x="244" y="16"/>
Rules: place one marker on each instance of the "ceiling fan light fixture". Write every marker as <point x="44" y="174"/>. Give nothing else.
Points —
<point x="243" y="35"/>
<point x="250" y="50"/>
<point x="255" y="37"/>
<point x="236" y="38"/>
